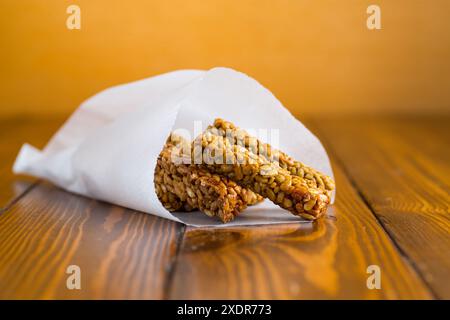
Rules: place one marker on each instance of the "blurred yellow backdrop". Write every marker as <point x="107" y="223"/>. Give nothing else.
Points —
<point x="316" y="56"/>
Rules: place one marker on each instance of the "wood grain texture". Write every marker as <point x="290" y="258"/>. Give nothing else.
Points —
<point x="391" y="210"/>
<point x="122" y="254"/>
<point x="326" y="259"/>
<point x="402" y="168"/>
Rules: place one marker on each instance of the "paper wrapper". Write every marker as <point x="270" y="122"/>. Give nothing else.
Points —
<point x="108" y="148"/>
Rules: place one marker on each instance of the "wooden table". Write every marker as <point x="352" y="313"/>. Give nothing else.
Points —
<point x="392" y="210"/>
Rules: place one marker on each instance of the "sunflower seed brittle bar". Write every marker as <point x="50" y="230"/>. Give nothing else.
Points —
<point x="187" y="187"/>
<point x="239" y="136"/>
<point x="258" y="174"/>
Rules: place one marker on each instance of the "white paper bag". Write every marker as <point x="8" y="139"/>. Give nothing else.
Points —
<point x="108" y="148"/>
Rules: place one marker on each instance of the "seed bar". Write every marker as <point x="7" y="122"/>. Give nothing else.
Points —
<point x="258" y="174"/>
<point x="239" y="136"/>
<point x="188" y="187"/>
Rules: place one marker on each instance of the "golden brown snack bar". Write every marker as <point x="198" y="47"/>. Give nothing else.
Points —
<point x="260" y="175"/>
<point x="188" y="187"/>
<point x="239" y="136"/>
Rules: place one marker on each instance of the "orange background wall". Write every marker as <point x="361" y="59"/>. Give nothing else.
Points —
<point x="317" y="56"/>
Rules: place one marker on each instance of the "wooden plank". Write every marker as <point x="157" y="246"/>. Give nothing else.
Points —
<point x="16" y="131"/>
<point x="427" y="137"/>
<point x="401" y="167"/>
<point x="323" y="260"/>
<point x="122" y="254"/>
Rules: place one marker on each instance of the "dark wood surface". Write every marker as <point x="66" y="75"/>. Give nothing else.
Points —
<point x="392" y="210"/>
<point x="402" y="170"/>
